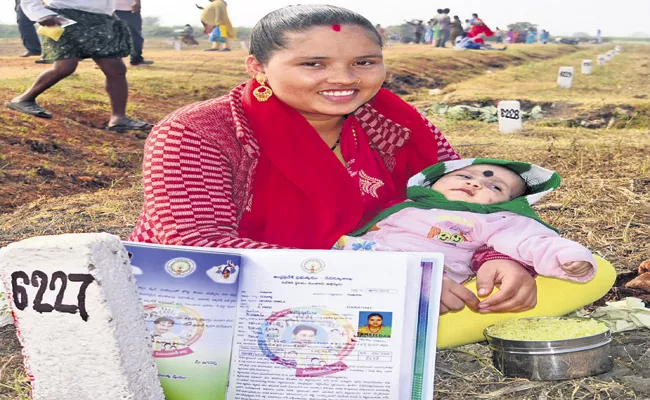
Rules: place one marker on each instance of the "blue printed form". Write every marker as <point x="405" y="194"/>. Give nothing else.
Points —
<point x="189" y="299"/>
<point x="290" y="324"/>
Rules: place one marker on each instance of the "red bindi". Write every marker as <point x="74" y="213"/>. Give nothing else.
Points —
<point x="336" y="27"/>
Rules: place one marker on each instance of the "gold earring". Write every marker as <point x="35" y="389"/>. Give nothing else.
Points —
<point x="262" y="93"/>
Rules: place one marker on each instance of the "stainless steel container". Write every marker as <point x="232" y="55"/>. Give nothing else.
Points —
<point x="551" y="360"/>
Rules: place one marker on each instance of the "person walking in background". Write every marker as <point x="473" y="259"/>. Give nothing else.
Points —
<point x="428" y="37"/>
<point x="498" y="35"/>
<point x="187" y="35"/>
<point x="129" y="12"/>
<point x="27" y="33"/>
<point x="544" y="36"/>
<point x="381" y="31"/>
<point x="418" y="29"/>
<point x="511" y="36"/>
<point x="434" y="29"/>
<point x="216" y="22"/>
<point x="444" y="25"/>
<point x="531" y="36"/>
<point x="456" y="29"/>
<point x="97" y="35"/>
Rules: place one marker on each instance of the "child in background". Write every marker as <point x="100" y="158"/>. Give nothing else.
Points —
<point x="458" y="206"/>
<point x="498" y="34"/>
<point x="187" y="35"/>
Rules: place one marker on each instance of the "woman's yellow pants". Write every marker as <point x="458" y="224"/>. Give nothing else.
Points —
<point x="555" y="297"/>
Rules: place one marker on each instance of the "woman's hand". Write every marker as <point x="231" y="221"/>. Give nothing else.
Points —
<point x="456" y="296"/>
<point x="207" y="28"/>
<point x="517" y="288"/>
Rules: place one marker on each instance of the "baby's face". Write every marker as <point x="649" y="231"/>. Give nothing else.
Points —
<point x="481" y="184"/>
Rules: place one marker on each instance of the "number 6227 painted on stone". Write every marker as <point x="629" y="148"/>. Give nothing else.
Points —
<point x="39" y="279"/>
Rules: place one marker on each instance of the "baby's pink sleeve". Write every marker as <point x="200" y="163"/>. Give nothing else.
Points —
<point x="528" y="241"/>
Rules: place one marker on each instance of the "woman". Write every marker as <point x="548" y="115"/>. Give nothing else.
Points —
<point x="216" y="22"/>
<point x="304" y="153"/>
<point x="479" y="30"/>
<point x="544" y="36"/>
<point x="531" y="36"/>
<point x="456" y="29"/>
<point x="498" y="34"/>
<point x="375" y="327"/>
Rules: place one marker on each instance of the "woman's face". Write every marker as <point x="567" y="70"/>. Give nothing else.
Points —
<point x="375" y="321"/>
<point x="318" y="71"/>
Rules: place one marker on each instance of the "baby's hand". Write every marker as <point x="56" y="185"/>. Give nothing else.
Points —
<point x="455" y="296"/>
<point x="577" y="268"/>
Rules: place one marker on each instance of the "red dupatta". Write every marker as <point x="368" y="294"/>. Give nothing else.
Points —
<point x="303" y="196"/>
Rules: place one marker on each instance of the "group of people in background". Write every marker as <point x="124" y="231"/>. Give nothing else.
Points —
<point x="530" y="36"/>
<point x="214" y="18"/>
<point x="443" y="29"/>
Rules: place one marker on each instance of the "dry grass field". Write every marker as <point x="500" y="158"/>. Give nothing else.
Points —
<point x="69" y="175"/>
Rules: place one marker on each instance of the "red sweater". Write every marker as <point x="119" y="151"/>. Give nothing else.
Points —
<point x="199" y="168"/>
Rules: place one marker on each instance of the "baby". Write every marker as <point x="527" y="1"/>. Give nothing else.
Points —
<point x="458" y="206"/>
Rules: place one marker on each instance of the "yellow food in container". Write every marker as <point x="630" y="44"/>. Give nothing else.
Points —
<point x="546" y="329"/>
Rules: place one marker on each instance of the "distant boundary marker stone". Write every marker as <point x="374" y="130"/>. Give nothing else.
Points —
<point x="509" y="112"/>
<point x="565" y="77"/>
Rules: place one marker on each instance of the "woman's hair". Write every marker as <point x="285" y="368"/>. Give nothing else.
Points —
<point x="375" y="315"/>
<point x="163" y="319"/>
<point x="269" y="34"/>
<point x="304" y="328"/>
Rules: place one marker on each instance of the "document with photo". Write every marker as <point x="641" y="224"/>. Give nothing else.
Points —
<point x="243" y="324"/>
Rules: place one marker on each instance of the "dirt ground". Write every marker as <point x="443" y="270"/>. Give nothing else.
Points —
<point x="72" y="152"/>
<point x="68" y="175"/>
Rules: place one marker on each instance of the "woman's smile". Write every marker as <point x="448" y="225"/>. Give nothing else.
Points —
<point x="339" y="96"/>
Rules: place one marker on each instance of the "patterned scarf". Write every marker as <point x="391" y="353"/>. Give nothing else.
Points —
<point x="303" y="196"/>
